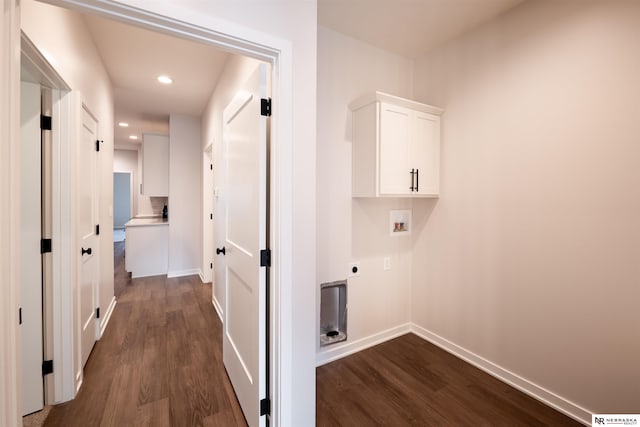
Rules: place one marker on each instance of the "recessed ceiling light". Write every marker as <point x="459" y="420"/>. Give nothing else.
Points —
<point x="123" y="124"/>
<point x="165" y="80"/>
<point x="133" y="137"/>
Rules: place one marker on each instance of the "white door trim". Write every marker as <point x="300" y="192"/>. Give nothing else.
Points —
<point x="220" y="33"/>
<point x="10" y="386"/>
<point x="206" y="273"/>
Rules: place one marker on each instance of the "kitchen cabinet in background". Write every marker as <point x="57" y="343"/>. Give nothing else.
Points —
<point x="146" y="247"/>
<point x="396" y="147"/>
<point x="155" y="165"/>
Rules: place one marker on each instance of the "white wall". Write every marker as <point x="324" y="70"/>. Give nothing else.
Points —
<point x="185" y="189"/>
<point x="357" y="229"/>
<point x="127" y="161"/>
<point x="237" y="70"/>
<point x="530" y="256"/>
<point x="64" y="40"/>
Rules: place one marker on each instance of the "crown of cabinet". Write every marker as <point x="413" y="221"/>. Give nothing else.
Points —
<point x="396" y="147"/>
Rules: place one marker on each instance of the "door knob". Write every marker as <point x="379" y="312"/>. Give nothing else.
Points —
<point x="221" y="251"/>
<point x="86" y="251"/>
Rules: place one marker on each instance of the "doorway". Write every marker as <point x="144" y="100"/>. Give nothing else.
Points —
<point x="278" y="51"/>
<point x="175" y="149"/>
<point x="45" y="231"/>
<point x="122" y="203"/>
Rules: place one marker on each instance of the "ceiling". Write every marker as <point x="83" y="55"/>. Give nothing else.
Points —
<point x="135" y="57"/>
<point x="408" y="27"/>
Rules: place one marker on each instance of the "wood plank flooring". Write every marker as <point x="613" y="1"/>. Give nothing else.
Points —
<point x="408" y="381"/>
<point x="159" y="362"/>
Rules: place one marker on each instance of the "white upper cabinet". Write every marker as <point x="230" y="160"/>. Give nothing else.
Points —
<point x="155" y="165"/>
<point x="396" y="147"/>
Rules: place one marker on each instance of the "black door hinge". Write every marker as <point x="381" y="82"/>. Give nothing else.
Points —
<point x="265" y="407"/>
<point x="98" y="144"/>
<point x="47" y="367"/>
<point x="210" y="216"/>
<point x="97" y="312"/>
<point x="265" y="107"/>
<point x="211" y="266"/>
<point x="20" y="316"/>
<point x="45" y="122"/>
<point x="211" y="165"/>
<point x="45" y="246"/>
<point x="97" y="229"/>
<point x="265" y="258"/>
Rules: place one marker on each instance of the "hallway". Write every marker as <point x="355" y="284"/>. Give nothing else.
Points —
<point x="159" y="362"/>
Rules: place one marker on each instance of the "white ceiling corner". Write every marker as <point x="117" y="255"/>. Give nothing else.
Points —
<point x="408" y="27"/>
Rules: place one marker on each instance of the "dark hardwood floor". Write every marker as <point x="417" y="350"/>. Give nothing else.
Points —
<point x="159" y="362"/>
<point x="408" y="381"/>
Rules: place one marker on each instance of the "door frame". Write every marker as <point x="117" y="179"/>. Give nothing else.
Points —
<point x="57" y="298"/>
<point x="226" y="35"/>
<point x="206" y="273"/>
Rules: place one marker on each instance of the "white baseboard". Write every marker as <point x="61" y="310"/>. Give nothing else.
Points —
<point x="537" y="392"/>
<point x="218" y="308"/>
<point x="201" y="274"/>
<point x="338" y="351"/>
<point x="104" y="321"/>
<point x="182" y="273"/>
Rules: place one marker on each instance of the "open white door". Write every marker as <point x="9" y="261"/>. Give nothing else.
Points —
<point x="87" y="237"/>
<point x="245" y="314"/>
<point x="30" y="250"/>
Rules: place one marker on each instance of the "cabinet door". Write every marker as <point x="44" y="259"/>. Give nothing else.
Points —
<point x="424" y="153"/>
<point x="155" y="165"/>
<point x="395" y="136"/>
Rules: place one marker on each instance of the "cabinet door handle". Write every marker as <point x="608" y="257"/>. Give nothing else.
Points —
<point x="412" y="175"/>
<point x="417" y="180"/>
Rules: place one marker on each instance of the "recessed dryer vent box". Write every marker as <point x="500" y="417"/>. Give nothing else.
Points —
<point x="333" y="312"/>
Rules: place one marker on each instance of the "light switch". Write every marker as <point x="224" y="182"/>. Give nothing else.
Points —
<point x="387" y="263"/>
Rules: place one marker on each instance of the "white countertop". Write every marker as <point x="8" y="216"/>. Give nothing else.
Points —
<point x="138" y="222"/>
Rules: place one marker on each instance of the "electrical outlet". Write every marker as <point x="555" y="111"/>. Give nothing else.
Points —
<point x="387" y="263"/>
<point x="354" y="269"/>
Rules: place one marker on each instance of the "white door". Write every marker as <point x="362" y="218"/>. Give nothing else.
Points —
<point x="87" y="221"/>
<point x="30" y="256"/>
<point x="244" y="338"/>
<point x="395" y="125"/>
